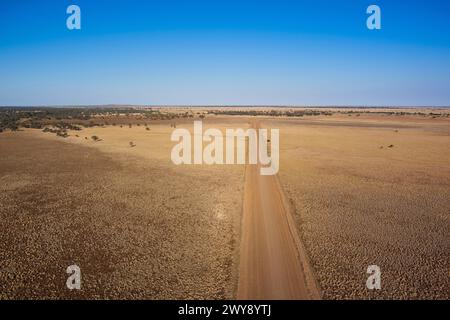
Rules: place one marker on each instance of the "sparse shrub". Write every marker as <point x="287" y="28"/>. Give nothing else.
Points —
<point x="95" y="138"/>
<point x="148" y="129"/>
<point x="62" y="134"/>
<point x="132" y="144"/>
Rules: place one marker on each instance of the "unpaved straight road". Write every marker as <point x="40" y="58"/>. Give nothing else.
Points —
<point x="273" y="263"/>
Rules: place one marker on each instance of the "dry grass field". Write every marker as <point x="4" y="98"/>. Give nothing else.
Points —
<point x="137" y="227"/>
<point x="363" y="189"/>
<point x="371" y="192"/>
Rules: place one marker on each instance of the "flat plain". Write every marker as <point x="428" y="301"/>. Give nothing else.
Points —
<point x="371" y="191"/>
<point x="364" y="188"/>
<point x="137" y="227"/>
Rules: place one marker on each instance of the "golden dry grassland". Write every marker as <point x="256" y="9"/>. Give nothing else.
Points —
<point x="365" y="189"/>
<point x="371" y="192"/>
<point x="137" y="226"/>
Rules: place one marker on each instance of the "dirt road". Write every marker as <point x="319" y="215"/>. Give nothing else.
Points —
<point x="273" y="264"/>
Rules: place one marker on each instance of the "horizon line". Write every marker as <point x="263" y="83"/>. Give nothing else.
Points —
<point x="109" y="105"/>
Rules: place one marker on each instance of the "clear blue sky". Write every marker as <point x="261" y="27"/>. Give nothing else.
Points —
<point x="242" y="52"/>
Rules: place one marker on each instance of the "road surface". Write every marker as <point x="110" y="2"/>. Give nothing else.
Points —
<point x="273" y="263"/>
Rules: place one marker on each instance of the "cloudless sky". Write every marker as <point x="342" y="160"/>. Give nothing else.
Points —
<point x="217" y="52"/>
